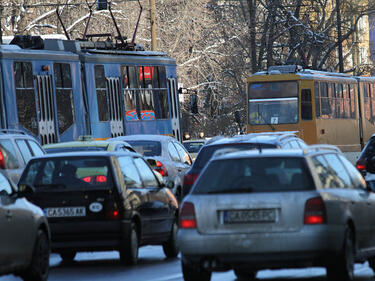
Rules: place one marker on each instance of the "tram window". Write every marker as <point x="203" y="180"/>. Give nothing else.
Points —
<point x="352" y="95"/>
<point x="130" y="105"/>
<point x="306" y="104"/>
<point x="133" y="77"/>
<point x="147" y="76"/>
<point x="25" y="96"/>
<point x="162" y="105"/>
<point x="147" y="105"/>
<point x="125" y="77"/>
<point x="317" y="99"/>
<point x="346" y="97"/>
<point x="101" y="93"/>
<point x="162" y="77"/>
<point x="155" y="77"/>
<point x="325" y="104"/>
<point x="64" y="96"/>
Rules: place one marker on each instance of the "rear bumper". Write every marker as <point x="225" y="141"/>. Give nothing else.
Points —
<point x="88" y="236"/>
<point x="313" y="245"/>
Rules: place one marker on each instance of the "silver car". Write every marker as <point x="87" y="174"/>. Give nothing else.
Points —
<point x="165" y="155"/>
<point x="267" y="209"/>
<point x="25" y="235"/>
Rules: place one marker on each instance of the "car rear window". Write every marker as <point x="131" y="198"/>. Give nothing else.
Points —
<point x="193" y="147"/>
<point x="369" y="149"/>
<point x="68" y="173"/>
<point x="74" y="149"/>
<point x="146" y="148"/>
<point x="245" y="175"/>
<point x="207" y="151"/>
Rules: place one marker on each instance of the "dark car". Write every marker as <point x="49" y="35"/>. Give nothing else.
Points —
<point x="25" y="236"/>
<point x="287" y="140"/>
<point x="98" y="201"/>
<point x="16" y="149"/>
<point x="366" y="160"/>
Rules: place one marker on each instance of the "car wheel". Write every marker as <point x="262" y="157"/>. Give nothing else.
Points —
<point x="243" y="275"/>
<point x="129" y="252"/>
<point x="39" y="267"/>
<point x="193" y="272"/>
<point x="170" y="247"/>
<point x="68" y="256"/>
<point x="343" y="266"/>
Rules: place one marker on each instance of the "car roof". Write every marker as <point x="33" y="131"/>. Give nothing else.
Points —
<point x="144" y="138"/>
<point x="87" y="154"/>
<point x="100" y="143"/>
<point x="6" y="133"/>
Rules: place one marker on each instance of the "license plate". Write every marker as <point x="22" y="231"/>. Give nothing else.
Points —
<point x="65" y="212"/>
<point x="253" y="215"/>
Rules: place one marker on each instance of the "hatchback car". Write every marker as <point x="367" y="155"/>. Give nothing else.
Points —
<point x="98" y="201"/>
<point x="87" y="144"/>
<point x="271" y="208"/>
<point x="25" y="236"/>
<point x="16" y="149"/>
<point x="286" y="140"/>
<point x="165" y="154"/>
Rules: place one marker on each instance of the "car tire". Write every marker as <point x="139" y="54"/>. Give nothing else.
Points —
<point x="193" y="272"/>
<point x="67" y="256"/>
<point x="170" y="247"/>
<point x="343" y="267"/>
<point x="39" y="267"/>
<point x="243" y="275"/>
<point x="129" y="252"/>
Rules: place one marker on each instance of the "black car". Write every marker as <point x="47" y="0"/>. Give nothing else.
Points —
<point x="102" y="201"/>
<point x="286" y="140"/>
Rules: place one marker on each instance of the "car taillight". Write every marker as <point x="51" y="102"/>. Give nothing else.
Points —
<point x="361" y="165"/>
<point x="2" y="162"/>
<point x="86" y="179"/>
<point x="101" y="179"/>
<point x="189" y="179"/>
<point x="187" y="216"/>
<point x="315" y="211"/>
<point x="161" y="169"/>
<point x="113" y="214"/>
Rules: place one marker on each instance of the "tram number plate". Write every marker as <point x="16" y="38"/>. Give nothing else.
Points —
<point x="65" y="212"/>
<point x="252" y="216"/>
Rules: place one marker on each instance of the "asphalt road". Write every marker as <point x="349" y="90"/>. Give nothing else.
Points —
<point x="153" y="266"/>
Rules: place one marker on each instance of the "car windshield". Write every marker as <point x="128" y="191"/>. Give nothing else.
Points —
<point x="68" y="173"/>
<point x="146" y="148"/>
<point x="76" y="148"/>
<point x="206" y="153"/>
<point x="193" y="146"/>
<point x="244" y="175"/>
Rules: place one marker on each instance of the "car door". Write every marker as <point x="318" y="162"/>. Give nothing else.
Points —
<point x="15" y="222"/>
<point x="159" y="205"/>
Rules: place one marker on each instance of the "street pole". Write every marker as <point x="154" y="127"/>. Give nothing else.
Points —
<point x="339" y="36"/>
<point x="153" y="26"/>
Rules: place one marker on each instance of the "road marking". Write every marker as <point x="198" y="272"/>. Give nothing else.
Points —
<point x="171" y="277"/>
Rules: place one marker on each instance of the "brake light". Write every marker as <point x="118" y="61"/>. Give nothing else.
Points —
<point x="101" y="179"/>
<point x="315" y="211"/>
<point x="187" y="216"/>
<point x="161" y="169"/>
<point x="189" y="179"/>
<point x="86" y="179"/>
<point x="361" y="165"/>
<point x="113" y="214"/>
<point x="2" y="162"/>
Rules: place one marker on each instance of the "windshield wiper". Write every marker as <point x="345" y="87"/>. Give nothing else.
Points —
<point x="265" y="121"/>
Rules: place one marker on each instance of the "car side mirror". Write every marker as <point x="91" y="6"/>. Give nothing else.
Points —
<point x="25" y="190"/>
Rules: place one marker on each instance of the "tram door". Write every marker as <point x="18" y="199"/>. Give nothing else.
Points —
<point x="46" y="105"/>
<point x="173" y="98"/>
<point x="115" y="113"/>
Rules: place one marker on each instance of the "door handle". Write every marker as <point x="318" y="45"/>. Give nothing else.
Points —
<point x="8" y="215"/>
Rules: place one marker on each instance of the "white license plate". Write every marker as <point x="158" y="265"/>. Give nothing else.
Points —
<point x="65" y="212"/>
<point x="254" y="215"/>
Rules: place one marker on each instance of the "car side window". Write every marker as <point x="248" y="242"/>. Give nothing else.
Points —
<point x="130" y="172"/>
<point x="323" y="171"/>
<point x="341" y="177"/>
<point x="9" y="154"/>
<point x="36" y="149"/>
<point x="184" y="155"/>
<point x="173" y="152"/>
<point x="146" y="173"/>
<point x="358" y="180"/>
<point x="5" y="187"/>
<point x="25" y="150"/>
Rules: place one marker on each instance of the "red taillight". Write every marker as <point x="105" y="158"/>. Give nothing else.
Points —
<point x="113" y="214"/>
<point x="87" y="179"/>
<point x="161" y="169"/>
<point x="187" y="216"/>
<point x="189" y="179"/>
<point x="2" y="163"/>
<point x="361" y="165"/>
<point x="315" y="211"/>
<point x="101" y="179"/>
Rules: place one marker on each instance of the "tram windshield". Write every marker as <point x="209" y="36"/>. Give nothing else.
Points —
<point x="273" y="103"/>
